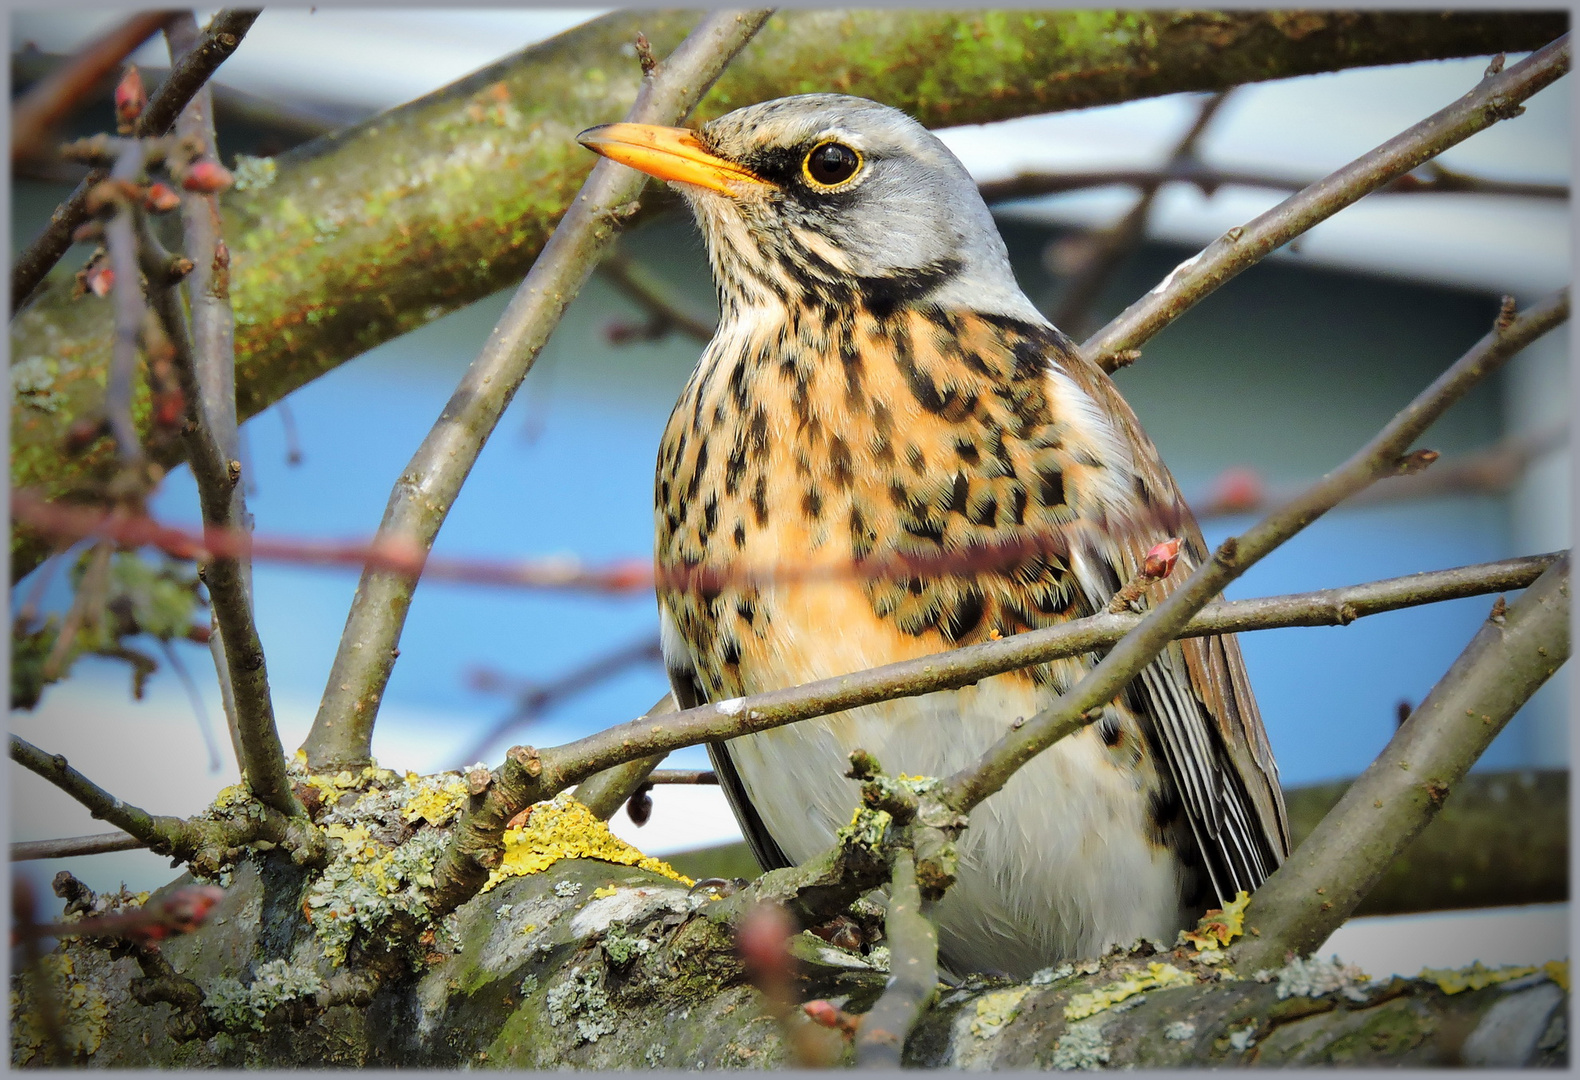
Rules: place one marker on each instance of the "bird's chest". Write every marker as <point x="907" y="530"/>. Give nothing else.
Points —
<point x="828" y="451"/>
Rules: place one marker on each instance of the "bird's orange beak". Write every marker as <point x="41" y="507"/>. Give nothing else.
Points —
<point x="669" y="154"/>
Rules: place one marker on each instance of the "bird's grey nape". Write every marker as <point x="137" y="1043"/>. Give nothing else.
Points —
<point x="912" y="208"/>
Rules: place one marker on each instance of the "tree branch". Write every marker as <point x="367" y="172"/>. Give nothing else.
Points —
<point x="1496" y="98"/>
<point x="1512" y="655"/>
<point x="1208" y="179"/>
<point x="52" y="98"/>
<point x="488" y="193"/>
<point x="913" y="967"/>
<point x="208" y="843"/>
<point x="343" y="729"/>
<point x="1385" y="454"/>
<point x="221" y="37"/>
<point x="67" y="846"/>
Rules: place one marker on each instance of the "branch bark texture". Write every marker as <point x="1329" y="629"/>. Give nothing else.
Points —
<point x="1509" y="659"/>
<point x="375" y="231"/>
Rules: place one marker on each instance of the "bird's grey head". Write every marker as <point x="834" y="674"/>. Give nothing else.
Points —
<point x="808" y="198"/>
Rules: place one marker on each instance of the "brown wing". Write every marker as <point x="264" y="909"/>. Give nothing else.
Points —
<point x="1197" y="691"/>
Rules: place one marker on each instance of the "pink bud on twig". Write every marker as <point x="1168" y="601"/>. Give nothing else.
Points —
<point x="1160" y="561"/>
<point x="161" y="198"/>
<point x="1237" y="489"/>
<point x="826" y="1014"/>
<point x="130" y="99"/>
<point x="207" y="177"/>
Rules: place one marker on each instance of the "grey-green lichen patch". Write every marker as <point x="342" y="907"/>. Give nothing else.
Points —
<point x="580" y="1002"/>
<point x="1082" y="1046"/>
<point x="1313" y="977"/>
<point x="33" y="384"/>
<point x="621" y="947"/>
<point x="238" y="1008"/>
<point x="367" y="883"/>
<point x="567" y="888"/>
<point x="254" y="173"/>
<point x="1180" y="1031"/>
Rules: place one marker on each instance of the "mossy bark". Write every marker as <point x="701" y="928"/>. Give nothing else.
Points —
<point x="376" y="230"/>
<point x="543" y="972"/>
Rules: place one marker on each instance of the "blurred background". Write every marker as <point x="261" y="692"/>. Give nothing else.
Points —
<point x="1267" y="384"/>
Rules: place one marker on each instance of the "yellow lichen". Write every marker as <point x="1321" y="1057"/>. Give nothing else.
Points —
<point x="1156" y="977"/>
<point x="1477" y="976"/>
<point x="563" y="828"/>
<point x="437" y="800"/>
<point x="82" y="1010"/>
<point x="605" y="890"/>
<point x="1219" y="926"/>
<point x="996" y="1010"/>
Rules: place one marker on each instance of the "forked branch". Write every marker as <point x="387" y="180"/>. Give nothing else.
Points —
<point x="1497" y="98"/>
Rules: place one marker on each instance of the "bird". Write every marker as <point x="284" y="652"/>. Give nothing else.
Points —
<point x="880" y="388"/>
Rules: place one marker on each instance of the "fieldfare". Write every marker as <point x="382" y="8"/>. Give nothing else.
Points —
<point x="879" y="388"/>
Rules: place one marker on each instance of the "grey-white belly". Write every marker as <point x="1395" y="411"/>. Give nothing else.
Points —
<point x="1057" y="865"/>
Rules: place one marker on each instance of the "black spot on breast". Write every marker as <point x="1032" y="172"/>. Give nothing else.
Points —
<point x="710" y="516"/>
<point x="812" y="504"/>
<point x="882" y="296"/>
<point x="729" y="651"/>
<point x="967" y="451"/>
<point x="738" y="384"/>
<point x="1030" y="363"/>
<point x="1017" y="504"/>
<point x="973" y="360"/>
<point x="861" y="537"/>
<point x="959" y="492"/>
<point x="697" y="471"/>
<point x="760" y="500"/>
<point x="734" y="466"/>
<point x="984" y="512"/>
<point x="915" y="459"/>
<point x="925" y="529"/>
<point x="839" y="463"/>
<point x="747" y="611"/>
<point x="757" y="431"/>
<point x="739" y="535"/>
<point x="965" y="616"/>
<point x="1050" y="486"/>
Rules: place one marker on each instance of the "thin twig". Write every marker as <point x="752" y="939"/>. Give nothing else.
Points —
<point x="195" y="698"/>
<point x="1496" y="98"/>
<point x="293" y="439"/>
<point x="65" y="847"/>
<point x="221" y="37"/>
<point x="1509" y="659"/>
<point x="1386" y="454"/>
<point x="52" y="98"/>
<point x="1436" y="180"/>
<point x="913" y="971"/>
<point x="343" y="729"/>
<point x="120" y="234"/>
<point x="664" y="312"/>
<point x="970" y="664"/>
<point x="1491" y="471"/>
<point x="1103" y="250"/>
<point x="682" y="776"/>
<point x="534" y="699"/>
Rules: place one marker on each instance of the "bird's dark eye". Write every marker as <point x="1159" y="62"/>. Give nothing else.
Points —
<point x="831" y="164"/>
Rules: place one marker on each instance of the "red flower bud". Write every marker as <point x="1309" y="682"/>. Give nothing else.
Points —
<point x="130" y="98"/>
<point x="161" y="198"/>
<point x="207" y="177"/>
<point x="101" y="279"/>
<point x="1237" y="489"/>
<point x="1160" y="561"/>
<point x="170" y="408"/>
<point x="826" y="1014"/>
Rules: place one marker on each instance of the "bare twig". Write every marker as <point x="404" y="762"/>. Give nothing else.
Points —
<point x="1384" y="455"/>
<point x="195" y="698"/>
<point x="1430" y="179"/>
<point x="605" y="792"/>
<point x="51" y="99"/>
<point x="65" y="847"/>
<point x="293" y="439"/>
<point x="1496" y="98"/>
<point x="533" y="699"/>
<point x="682" y="776"/>
<point x="664" y="312"/>
<point x="422" y="498"/>
<point x="1492" y="471"/>
<point x="1103" y="250"/>
<point x="1401" y="791"/>
<point x="913" y="971"/>
<point x="221" y="37"/>
<point x="121" y="237"/>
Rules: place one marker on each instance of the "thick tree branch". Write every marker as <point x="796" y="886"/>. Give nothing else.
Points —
<point x="343" y="729"/>
<point x="913" y="971"/>
<point x="1509" y="659"/>
<point x="1384" y="455"/>
<point x="220" y="39"/>
<point x="1497" y="98"/>
<point x="473" y="203"/>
